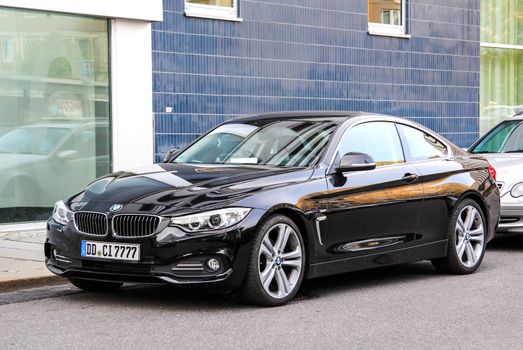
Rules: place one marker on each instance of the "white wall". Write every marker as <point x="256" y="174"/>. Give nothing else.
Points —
<point x="147" y="10"/>
<point x="132" y="117"/>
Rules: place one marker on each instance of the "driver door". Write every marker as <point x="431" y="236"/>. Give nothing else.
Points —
<point x="378" y="210"/>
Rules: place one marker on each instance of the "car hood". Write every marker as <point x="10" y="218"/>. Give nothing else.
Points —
<point x="165" y="188"/>
<point x="508" y="168"/>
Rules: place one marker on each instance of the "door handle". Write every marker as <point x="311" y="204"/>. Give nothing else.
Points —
<point x="409" y="178"/>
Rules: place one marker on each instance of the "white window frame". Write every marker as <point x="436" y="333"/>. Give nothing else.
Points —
<point x="393" y="14"/>
<point x="213" y="12"/>
<point x="389" y="29"/>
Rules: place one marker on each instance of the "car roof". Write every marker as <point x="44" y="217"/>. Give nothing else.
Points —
<point x="338" y="116"/>
<point x="518" y="116"/>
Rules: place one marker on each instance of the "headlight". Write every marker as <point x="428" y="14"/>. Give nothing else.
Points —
<point x="62" y="214"/>
<point x="517" y="190"/>
<point x="210" y="220"/>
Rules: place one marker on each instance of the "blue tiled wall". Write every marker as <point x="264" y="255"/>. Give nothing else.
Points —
<point x="316" y="55"/>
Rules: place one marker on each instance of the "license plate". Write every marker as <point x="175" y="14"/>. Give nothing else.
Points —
<point x="113" y="251"/>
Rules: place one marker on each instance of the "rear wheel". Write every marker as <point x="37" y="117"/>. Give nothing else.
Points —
<point x="276" y="264"/>
<point x="467" y="232"/>
<point x="95" y="286"/>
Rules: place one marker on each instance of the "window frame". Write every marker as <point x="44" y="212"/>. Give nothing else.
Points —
<point x="214" y="12"/>
<point x="390" y="29"/>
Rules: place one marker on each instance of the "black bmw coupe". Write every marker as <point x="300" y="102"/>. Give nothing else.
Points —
<point x="260" y="203"/>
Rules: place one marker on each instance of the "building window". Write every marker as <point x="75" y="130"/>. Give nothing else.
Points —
<point x="54" y="104"/>
<point x="387" y="17"/>
<point x="214" y="9"/>
<point x="501" y="72"/>
<point x="392" y="17"/>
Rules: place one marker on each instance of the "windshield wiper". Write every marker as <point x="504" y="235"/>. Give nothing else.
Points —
<point x="514" y="151"/>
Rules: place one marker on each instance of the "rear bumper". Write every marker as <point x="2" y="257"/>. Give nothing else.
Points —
<point x="492" y="200"/>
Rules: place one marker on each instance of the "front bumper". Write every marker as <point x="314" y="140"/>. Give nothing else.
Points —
<point x="165" y="259"/>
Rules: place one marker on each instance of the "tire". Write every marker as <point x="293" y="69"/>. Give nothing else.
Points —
<point x="277" y="258"/>
<point x="95" y="286"/>
<point x="467" y="240"/>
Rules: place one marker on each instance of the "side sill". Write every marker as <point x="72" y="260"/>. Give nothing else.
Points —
<point x="399" y="256"/>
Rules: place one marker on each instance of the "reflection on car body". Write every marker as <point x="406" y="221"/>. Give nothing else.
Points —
<point x="261" y="203"/>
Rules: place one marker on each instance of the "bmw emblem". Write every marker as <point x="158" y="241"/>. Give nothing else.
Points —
<point x="115" y="207"/>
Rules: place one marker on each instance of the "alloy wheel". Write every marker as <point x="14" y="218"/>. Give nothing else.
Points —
<point x="280" y="260"/>
<point x="470" y="236"/>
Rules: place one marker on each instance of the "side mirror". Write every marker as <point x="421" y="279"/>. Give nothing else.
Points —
<point x="67" y="155"/>
<point x="171" y="154"/>
<point x="355" y="162"/>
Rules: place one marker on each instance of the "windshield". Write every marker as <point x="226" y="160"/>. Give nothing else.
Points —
<point x="31" y="140"/>
<point x="282" y="143"/>
<point x="507" y="137"/>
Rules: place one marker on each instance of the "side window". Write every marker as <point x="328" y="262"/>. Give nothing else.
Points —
<point x="380" y="140"/>
<point x="419" y="145"/>
<point x="83" y="142"/>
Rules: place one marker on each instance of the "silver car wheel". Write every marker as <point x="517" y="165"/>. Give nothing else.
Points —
<point x="280" y="260"/>
<point x="470" y="236"/>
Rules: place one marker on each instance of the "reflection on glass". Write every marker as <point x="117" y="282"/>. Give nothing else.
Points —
<point x="501" y="85"/>
<point x="502" y="21"/>
<point x="290" y="143"/>
<point x="385" y="12"/>
<point x="225" y="3"/>
<point x="505" y="138"/>
<point x="420" y="145"/>
<point x="54" y="109"/>
<point x="363" y="139"/>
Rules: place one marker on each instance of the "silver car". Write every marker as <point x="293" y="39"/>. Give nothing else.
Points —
<point x="46" y="160"/>
<point x="503" y="147"/>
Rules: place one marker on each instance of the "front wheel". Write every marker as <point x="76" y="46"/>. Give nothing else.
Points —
<point x="466" y="247"/>
<point x="276" y="263"/>
<point x="95" y="286"/>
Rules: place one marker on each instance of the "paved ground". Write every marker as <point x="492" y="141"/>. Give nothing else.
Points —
<point x="409" y="306"/>
<point x="22" y="259"/>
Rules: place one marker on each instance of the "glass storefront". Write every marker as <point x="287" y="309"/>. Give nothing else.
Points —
<point x="501" y="61"/>
<point x="54" y="109"/>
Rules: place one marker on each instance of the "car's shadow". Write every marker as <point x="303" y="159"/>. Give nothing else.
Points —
<point x="507" y="242"/>
<point x="187" y="299"/>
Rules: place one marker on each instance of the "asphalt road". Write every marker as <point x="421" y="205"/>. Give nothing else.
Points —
<point x="409" y="306"/>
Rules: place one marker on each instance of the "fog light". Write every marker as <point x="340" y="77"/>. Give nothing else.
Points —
<point x="53" y="253"/>
<point x="213" y="264"/>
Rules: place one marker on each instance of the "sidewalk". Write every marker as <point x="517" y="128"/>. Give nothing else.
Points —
<point x="22" y="260"/>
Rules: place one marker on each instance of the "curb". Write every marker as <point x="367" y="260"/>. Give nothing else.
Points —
<point x="26" y="283"/>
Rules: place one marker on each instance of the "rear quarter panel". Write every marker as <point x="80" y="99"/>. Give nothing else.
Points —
<point x="445" y="184"/>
